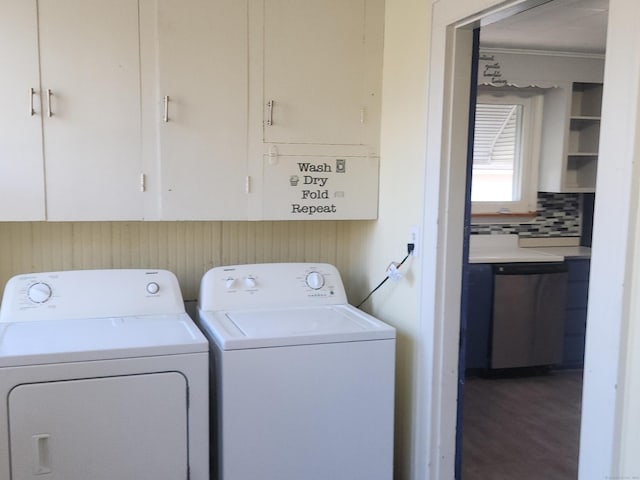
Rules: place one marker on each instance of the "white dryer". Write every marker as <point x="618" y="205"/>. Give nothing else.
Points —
<point x="302" y="382"/>
<point x="103" y="376"/>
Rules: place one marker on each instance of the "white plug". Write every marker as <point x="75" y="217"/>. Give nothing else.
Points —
<point x="393" y="273"/>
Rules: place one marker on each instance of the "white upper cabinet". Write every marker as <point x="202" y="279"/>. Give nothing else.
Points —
<point x="320" y="71"/>
<point x="315" y="70"/>
<point x="90" y="70"/>
<point x="190" y="109"/>
<point x="21" y="167"/>
<point x="196" y="54"/>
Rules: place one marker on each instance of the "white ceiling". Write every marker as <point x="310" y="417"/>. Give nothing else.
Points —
<point x="560" y="25"/>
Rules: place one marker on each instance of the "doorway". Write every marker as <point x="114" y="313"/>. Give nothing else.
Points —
<point x="613" y="250"/>
<point x="524" y="422"/>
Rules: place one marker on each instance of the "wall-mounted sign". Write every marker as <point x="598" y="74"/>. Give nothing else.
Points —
<point x="320" y="188"/>
<point x="490" y="70"/>
<point x="519" y="68"/>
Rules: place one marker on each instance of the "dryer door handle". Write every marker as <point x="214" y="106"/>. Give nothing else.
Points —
<point x="41" y="456"/>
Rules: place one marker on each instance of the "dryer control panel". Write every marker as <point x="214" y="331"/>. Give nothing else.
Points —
<point x="271" y="285"/>
<point x="90" y="294"/>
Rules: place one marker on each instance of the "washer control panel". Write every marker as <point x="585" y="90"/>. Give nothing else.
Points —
<point x="271" y="284"/>
<point x="90" y="294"/>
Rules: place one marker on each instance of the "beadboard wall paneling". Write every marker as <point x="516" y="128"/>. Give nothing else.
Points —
<point x="186" y="248"/>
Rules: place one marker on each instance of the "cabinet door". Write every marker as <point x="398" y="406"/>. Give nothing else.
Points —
<point x="89" y="55"/>
<point x="479" y="310"/>
<point x="21" y="167"/>
<point x="202" y="76"/>
<point x="126" y="428"/>
<point x="321" y="71"/>
<point x="315" y="82"/>
<point x="553" y="159"/>
<point x="576" y="322"/>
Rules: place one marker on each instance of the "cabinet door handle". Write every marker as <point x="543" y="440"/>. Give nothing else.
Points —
<point x="165" y="116"/>
<point x="32" y="92"/>
<point x="49" y="110"/>
<point x="270" y="105"/>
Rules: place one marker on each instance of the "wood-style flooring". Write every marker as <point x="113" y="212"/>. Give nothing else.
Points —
<point x="524" y="428"/>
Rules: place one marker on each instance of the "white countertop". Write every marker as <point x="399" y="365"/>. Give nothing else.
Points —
<point x="506" y="249"/>
<point x="576" y="252"/>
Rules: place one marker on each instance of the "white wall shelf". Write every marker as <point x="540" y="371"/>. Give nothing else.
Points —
<point x="571" y="137"/>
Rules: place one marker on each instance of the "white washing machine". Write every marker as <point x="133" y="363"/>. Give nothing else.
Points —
<point x="302" y="382"/>
<point x="103" y="376"/>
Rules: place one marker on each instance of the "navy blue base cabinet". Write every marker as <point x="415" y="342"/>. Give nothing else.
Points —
<point x="479" y="311"/>
<point x="576" y="322"/>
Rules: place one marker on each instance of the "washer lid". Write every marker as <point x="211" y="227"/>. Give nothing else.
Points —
<point x="296" y="326"/>
<point x="76" y="340"/>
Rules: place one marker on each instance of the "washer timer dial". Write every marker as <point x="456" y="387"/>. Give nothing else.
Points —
<point x="39" y="292"/>
<point x="314" y="280"/>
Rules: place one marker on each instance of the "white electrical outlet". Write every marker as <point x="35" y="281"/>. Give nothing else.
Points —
<point x="414" y="238"/>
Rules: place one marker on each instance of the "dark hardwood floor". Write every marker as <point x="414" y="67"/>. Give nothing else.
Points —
<point x="523" y="428"/>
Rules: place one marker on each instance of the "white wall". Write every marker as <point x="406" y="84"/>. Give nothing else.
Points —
<point x="401" y="202"/>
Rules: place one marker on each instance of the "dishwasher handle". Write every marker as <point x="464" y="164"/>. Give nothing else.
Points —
<point x="531" y="268"/>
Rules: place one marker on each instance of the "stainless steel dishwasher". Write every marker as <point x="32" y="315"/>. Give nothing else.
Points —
<point x="529" y="311"/>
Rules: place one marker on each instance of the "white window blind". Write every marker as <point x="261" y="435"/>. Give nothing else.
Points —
<point x="505" y="152"/>
<point x="496" y="136"/>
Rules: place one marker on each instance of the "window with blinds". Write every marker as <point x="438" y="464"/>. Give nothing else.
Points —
<point x="496" y="152"/>
<point x="505" y="152"/>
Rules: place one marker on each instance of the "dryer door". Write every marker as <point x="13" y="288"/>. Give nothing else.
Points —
<point x="126" y="428"/>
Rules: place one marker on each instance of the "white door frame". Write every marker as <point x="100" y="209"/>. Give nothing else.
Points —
<point x="613" y="241"/>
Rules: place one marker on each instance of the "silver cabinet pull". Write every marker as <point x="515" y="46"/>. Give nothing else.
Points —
<point x="270" y="105"/>
<point x="32" y="92"/>
<point x="165" y="117"/>
<point x="49" y="110"/>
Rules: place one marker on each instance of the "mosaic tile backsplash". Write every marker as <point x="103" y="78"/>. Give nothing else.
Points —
<point x="558" y="216"/>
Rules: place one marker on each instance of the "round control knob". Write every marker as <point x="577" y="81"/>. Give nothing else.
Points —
<point x="39" y="292"/>
<point x="229" y="283"/>
<point x="250" y="282"/>
<point x="153" y="288"/>
<point x="315" y="280"/>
